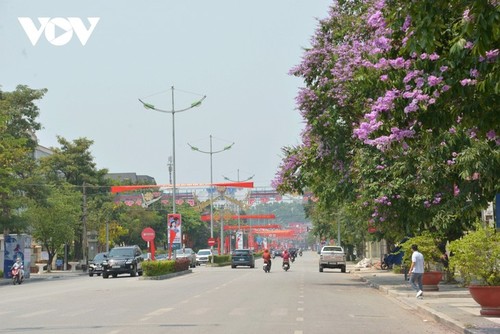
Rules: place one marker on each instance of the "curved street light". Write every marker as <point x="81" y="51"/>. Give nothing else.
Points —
<point x="173" y="111"/>
<point x="212" y="152"/>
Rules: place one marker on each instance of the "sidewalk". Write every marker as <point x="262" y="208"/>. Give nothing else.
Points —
<point x="451" y="305"/>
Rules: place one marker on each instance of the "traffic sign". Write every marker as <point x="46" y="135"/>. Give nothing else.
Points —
<point x="211" y="241"/>
<point x="148" y="234"/>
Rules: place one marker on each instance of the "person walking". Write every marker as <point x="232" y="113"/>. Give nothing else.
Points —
<point x="417" y="271"/>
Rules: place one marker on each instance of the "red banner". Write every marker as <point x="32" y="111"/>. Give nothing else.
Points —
<point x="118" y="189"/>
<point x="206" y="218"/>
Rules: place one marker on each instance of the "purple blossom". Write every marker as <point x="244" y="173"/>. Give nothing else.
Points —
<point x="443" y="68"/>
<point x="434" y="57"/>
<point x="433" y="80"/>
<point x="466" y="15"/>
<point x="469" y="45"/>
<point x="456" y="190"/>
<point x="445" y="88"/>
<point x="384" y="77"/>
<point x="474" y="73"/>
<point x="427" y="204"/>
<point x="492" y="54"/>
<point x="397" y="63"/>
<point x="407" y="23"/>
<point x="468" y="82"/>
<point x="452" y="130"/>
<point x="423" y="56"/>
<point x="491" y="135"/>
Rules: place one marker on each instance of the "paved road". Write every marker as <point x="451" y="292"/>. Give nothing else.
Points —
<point x="210" y="300"/>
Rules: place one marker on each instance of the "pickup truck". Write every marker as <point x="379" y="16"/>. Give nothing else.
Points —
<point x="332" y="257"/>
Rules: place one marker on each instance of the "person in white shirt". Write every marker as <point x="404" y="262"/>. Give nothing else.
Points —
<point x="417" y="271"/>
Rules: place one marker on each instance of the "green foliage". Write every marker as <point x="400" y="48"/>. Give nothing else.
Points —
<point x="158" y="268"/>
<point x="220" y="259"/>
<point x="54" y="222"/>
<point x="428" y="245"/>
<point x="18" y="121"/>
<point x="476" y="256"/>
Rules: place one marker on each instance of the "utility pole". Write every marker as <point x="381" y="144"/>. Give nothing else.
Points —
<point x="84" y="221"/>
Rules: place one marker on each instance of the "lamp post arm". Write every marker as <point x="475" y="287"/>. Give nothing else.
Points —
<point x="152" y="107"/>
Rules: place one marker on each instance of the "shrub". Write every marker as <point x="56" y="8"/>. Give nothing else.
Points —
<point x="158" y="268"/>
<point x="476" y="256"/>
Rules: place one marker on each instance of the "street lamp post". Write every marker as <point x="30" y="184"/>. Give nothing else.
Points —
<point x="211" y="152"/>
<point x="173" y="111"/>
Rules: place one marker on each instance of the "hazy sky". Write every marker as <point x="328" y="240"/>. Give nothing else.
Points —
<point x="237" y="53"/>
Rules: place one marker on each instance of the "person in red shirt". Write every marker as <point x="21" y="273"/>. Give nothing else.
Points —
<point x="286" y="258"/>
<point x="266" y="256"/>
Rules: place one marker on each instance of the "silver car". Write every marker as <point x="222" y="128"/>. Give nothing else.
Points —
<point x="186" y="253"/>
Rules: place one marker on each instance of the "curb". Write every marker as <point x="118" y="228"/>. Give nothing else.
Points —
<point x="166" y="276"/>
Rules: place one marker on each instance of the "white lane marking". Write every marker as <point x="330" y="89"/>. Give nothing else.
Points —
<point x="201" y="311"/>
<point x="300" y="319"/>
<point x="77" y="313"/>
<point x="279" y="312"/>
<point x="297" y="332"/>
<point x="300" y="309"/>
<point x="34" y="314"/>
<point x="156" y="313"/>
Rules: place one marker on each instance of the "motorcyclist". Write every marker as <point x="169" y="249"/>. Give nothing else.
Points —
<point x="286" y="257"/>
<point x="19" y="264"/>
<point x="266" y="256"/>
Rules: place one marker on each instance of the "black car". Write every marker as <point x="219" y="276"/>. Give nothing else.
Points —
<point x="123" y="260"/>
<point x="95" y="266"/>
<point x="242" y="257"/>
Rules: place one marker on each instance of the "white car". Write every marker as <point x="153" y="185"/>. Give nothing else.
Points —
<point x="203" y="256"/>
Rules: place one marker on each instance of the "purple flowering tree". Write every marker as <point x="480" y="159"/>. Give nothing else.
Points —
<point x="401" y="115"/>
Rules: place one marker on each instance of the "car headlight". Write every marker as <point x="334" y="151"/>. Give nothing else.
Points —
<point x="128" y="262"/>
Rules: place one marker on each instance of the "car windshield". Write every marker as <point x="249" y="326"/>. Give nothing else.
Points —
<point x="185" y="251"/>
<point x="241" y="252"/>
<point x="204" y="252"/>
<point x="117" y="252"/>
<point x="332" y="249"/>
<point x="99" y="257"/>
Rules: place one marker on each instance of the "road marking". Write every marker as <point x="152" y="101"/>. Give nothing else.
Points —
<point x="300" y="319"/>
<point x="300" y="309"/>
<point x="33" y="314"/>
<point x="201" y="311"/>
<point x="156" y="313"/>
<point x="279" y="312"/>
<point x="297" y="332"/>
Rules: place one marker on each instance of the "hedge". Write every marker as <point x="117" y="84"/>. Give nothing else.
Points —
<point x="158" y="268"/>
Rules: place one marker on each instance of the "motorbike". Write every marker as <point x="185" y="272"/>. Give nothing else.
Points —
<point x="300" y="253"/>
<point x="286" y="265"/>
<point x="267" y="266"/>
<point x="17" y="275"/>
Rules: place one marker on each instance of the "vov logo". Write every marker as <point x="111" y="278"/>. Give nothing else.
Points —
<point x="58" y="30"/>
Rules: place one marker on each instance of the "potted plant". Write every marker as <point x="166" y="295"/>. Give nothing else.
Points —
<point x="476" y="259"/>
<point x="433" y="269"/>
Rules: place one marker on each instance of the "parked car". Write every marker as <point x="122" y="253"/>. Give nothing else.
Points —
<point x="203" y="255"/>
<point x="123" y="260"/>
<point x="187" y="253"/>
<point x="242" y="257"/>
<point x="95" y="266"/>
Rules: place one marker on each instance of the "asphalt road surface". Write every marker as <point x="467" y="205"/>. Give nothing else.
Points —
<point x="210" y="300"/>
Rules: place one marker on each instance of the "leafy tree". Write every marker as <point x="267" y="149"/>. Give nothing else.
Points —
<point x="18" y="123"/>
<point x="401" y="116"/>
<point x="54" y="223"/>
<point x="73" y="163"/>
